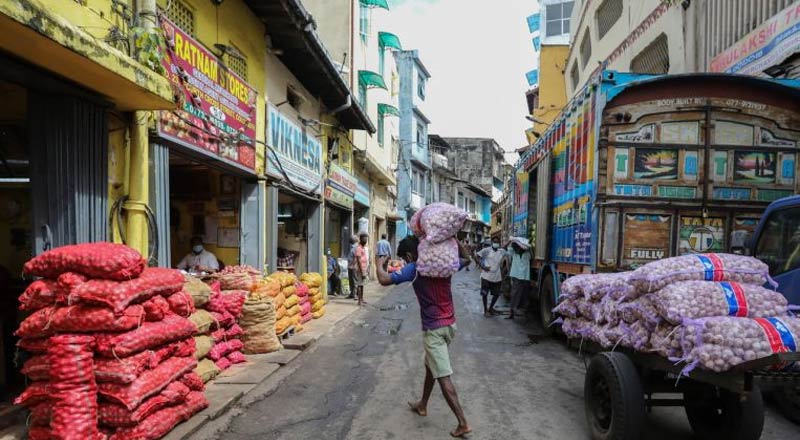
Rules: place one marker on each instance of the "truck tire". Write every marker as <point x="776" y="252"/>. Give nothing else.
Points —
<point x="716" y="413"/>
<point x="788" y="400"/>
<point x="546" y="305"/>
<point x="613" y="398"/>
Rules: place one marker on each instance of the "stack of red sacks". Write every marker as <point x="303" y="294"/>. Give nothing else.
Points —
<point x="226" y="308"/>
<point x="304" y="302"/>
<point x="109" y="345"/>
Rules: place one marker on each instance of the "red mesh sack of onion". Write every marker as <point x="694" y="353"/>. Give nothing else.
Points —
<point x="96" y="260"/>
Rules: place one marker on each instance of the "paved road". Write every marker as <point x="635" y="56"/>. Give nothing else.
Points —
<point x="355" y="382"/>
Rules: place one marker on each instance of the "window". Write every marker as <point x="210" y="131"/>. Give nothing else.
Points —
<point x="381" y="60"/>
<point x="575" y="76"/>
<point x="363" y="23"/>
<point x="237" y="62"/>
<point x="472" y="207"/>
<point x="586" y="48"/>
<point x="421" y="86"/>
<point x="181" y="15"/>
<point x="459" y="199"/>
<point x="607" y="14"/>
<point x="418" y="182"/>
<point x="557" y="19"/>
<point x="779" y="244"/>
<point x="381" y="129"/>
<point x="654" y="58"/>
<point x="420" y="135"/>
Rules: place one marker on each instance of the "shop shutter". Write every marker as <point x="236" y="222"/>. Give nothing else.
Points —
<point x="69" y="170"/>
<point x="159" y="201"/>
<point x="252" y="222"/>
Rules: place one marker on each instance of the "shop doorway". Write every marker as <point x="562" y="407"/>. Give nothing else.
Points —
<point x="204" y="202"/>
<point x="293" y="232"/>
<point x="337" y="231"/>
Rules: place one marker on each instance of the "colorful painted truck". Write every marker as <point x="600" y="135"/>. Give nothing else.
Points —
<point x="642" y="167"/>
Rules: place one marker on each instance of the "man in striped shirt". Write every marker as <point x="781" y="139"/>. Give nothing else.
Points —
<point x="438" y="327"/>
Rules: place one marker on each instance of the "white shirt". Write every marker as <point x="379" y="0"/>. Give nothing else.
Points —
<point x="204" y="259"/>
<point x="492" y="259"/>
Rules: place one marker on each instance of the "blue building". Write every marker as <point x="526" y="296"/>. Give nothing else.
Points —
<point x="414" y="165"/>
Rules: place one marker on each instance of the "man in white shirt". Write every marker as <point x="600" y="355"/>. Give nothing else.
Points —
<point x="489" y="260"/>
<point x="199" y="259"/>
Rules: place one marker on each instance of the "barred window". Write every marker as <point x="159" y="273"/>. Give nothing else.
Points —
<point x="607" y="15"/>
<point x="237" y="62"/>
<point x="586" y="47"/>
<point x="181" y="15"/>
<point x="654" y="58"/>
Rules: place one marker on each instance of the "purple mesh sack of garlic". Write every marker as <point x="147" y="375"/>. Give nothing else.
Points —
<point x="596" y="286"/>
<point x="438" y="260"/>
<point x="437" y="222"/>
<point x="609" y="310"/>
<point x="635" y="336"/>
<point x="589" y="310"/>
<point x="567" y="307"/>
<point x="639" y="310"/>
<point x="720" y="343"/>
<point x="701" y="267"/>
<point x="575" y="327"/>
<point x="664" y="340"/>
<point x="700" y="299"/>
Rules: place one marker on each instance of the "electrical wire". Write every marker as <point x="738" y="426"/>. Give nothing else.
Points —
<point x="152" y="226"/>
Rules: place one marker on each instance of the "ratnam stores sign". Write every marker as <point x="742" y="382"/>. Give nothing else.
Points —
<point x="293" y="153"/>
<point x="217" y="108"/>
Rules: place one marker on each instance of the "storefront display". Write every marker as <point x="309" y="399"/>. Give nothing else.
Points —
<point x="340" y="190"/>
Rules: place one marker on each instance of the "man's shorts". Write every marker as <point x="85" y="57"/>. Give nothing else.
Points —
<point x="437" y="356"/>
<point x="489" y="288"/>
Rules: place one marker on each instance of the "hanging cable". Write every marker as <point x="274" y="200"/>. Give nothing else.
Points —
<point x="152" y="226"/>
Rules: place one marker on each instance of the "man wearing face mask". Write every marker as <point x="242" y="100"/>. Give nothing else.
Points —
<point x="199" y="259"/>
<point x="489" y="260"/>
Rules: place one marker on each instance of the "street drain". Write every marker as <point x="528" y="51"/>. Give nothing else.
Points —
<point x="388" y="327"/>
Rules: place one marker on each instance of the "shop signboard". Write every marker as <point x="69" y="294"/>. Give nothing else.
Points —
<point x="217" y="108"/>
<point x="766" y="45"/>
<point x="293" y="152"/>
<point x="340" y="187"/>
<point x="362" y="193"/>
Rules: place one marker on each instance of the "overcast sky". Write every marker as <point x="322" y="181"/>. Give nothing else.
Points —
<point x="477" y="52"/>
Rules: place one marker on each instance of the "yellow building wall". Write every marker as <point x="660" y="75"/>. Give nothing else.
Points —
<point x="552" y="85"/>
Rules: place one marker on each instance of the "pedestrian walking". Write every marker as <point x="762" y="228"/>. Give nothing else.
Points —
<point x="437" y="311"/>
<point x="362" y="267"/>
<point x="351" y="266"/>
<point x="334" y="283"/>
<point x="489" y="260"/>
<point x="520" y="272"/>
<point x="383" y="248"/>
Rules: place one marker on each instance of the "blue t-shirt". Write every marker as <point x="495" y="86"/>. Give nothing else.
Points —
<point x="384" y="248"/>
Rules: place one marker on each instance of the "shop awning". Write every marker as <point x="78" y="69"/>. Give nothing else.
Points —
<point x="371" y="79"/>
<point x="386" y="39"/>
<point x="33" y="31"/>
<point x="388" y="109"/>
<point x="376" y="4"/>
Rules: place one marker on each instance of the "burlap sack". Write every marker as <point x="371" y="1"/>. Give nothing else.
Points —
<point x="203" y="320"/>
<point x="199" y="290"/>
<point x="207" y="369"/>
<point x="202" y="345"/>
<point x="258" y="322"/>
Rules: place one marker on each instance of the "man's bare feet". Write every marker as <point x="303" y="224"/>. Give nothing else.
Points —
<point x="460" y="431"/>
<point x="418" y="408"/>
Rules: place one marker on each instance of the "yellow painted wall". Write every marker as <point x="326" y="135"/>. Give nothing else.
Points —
<point x="552" y="86"/>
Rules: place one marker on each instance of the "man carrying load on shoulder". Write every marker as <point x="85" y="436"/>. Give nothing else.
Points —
<point x="438" y="326"/>
<point x="489" y="260"/>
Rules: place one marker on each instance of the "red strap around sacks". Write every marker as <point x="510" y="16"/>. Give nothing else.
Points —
<point x="118" y="295"/>
<point x="161" y="422"/>
<point x="96" y="260"/>
<point x="74" y="391"/>
<point x="149" y="335"/>
<point x="79" y="319"/>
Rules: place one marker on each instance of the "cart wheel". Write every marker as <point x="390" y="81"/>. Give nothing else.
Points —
<point x="715" y="413"/>
<point x="614" y="399"/>
<point x="788" y="399"/>
<point x="546" y="295"/>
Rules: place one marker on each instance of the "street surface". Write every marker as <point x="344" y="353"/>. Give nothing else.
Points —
<point x="354" y="384"/>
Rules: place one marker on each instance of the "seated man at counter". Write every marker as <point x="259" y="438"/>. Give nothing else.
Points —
<point x="199" y="259"/>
